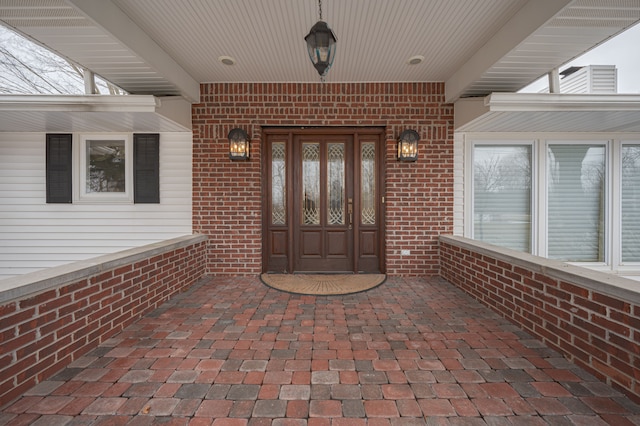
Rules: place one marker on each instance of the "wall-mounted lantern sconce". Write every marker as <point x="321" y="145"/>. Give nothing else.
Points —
<point x="238" y="144"/>
<point x="408" y="145"/>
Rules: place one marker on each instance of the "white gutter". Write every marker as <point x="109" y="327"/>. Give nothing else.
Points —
<point x="561" y="102"/>
<point x="72" y="113"/>
<point x="541" y="112"/>
<point x="79" y="103"/>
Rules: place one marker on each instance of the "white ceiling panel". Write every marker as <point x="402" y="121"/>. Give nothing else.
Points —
<point x="578" y="28"/>
<point x="168" y="47"/>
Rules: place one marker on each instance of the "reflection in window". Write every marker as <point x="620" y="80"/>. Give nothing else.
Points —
<point x="278" y="184"/>
<point x="631" y="203"/>
<point x="105" y="166"/>
<point x="335" y="183"/>
<point x="311" y="184"/>
<point x="368" y="184"/>
<point x="576" y="202"/>
<point x="502" y="195"/>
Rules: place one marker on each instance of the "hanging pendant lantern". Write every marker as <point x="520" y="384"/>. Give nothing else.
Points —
<point x="321" y="45"/>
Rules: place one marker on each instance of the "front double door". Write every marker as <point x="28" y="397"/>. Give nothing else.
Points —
<point x="323" y="200"/>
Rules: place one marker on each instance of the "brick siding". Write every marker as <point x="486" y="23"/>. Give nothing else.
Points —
<point x="583" y="314"/>
<point x="227" y="196"/>
<point x="43" y="333"/>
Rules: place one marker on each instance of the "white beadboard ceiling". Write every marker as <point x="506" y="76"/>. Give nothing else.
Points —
<point x="168" y="47"/>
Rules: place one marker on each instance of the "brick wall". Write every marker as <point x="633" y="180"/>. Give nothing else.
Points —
<point x="42" y="333"/>
<point x="592" y="318"/>
<point x="227" y="196"/>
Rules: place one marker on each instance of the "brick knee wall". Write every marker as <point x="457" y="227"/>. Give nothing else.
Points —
<point x="43" y="333"/>
<point x="592" y="318"/>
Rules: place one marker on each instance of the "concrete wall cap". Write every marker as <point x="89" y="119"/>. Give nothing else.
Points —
<point x="600" y="282"/>
<point x="35" y="282"/>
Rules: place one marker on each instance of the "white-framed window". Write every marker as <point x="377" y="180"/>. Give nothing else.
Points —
<point x="502" y="194"/>
<point x="576" y="199"/>
<point x="630" y="203"/>
<point x="105" y="171"/>
<point x="570" y="197"/>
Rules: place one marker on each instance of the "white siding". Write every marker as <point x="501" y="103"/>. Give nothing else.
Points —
<point x="591" y="79"/>
<point x="36" y="235"/>
<point x="578" y="82"/>
<point x="604" y="79"/>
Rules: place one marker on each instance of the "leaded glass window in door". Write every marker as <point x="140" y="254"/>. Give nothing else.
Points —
<point x="368" y="184"/>
<point x="311" y="183"/>
<point x="335" y="183"/>
<point x="278" y="184"/>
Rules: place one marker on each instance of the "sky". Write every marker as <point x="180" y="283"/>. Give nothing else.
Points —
<point x="623" y="51"/>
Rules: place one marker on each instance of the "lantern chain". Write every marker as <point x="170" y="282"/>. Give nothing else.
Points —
<point x="320" y="9"/>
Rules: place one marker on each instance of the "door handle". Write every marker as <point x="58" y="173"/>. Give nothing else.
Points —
<point x="350" y="211"/>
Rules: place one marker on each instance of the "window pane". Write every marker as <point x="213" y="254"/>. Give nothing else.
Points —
<point x="576" y="202"/>
<point x="105" y="166"/>
<point x="278" y="184"/>
<point x="502" y="195"/>
<point x="631" y="203"/>
<point x="335" y="183"/>
<point x="311" y="183"/>
<point x="368" y="184"/>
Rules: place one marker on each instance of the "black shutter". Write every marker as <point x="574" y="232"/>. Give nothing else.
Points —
<point x="146" y="168"/>
<point x="58" y="166"/>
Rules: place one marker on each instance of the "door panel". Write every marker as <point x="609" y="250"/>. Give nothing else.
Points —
<point x="321" y="235"/>
<point x="368" y="241"/>
<point x="311" y="244"/>
<point x="322" y="192"/>
<point x="337" y="243"/>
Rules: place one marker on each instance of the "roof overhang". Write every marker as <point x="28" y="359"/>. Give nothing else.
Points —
<point x="544" y="112"/>
<point x="94" y="113"/>
<point x="168" y="47"/>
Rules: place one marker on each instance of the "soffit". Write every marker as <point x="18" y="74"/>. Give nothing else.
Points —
<point x="89" y="113"/>
<point x="578" y="28"/>
<point x="533" y="112"/>
<point x="167" y="47"/>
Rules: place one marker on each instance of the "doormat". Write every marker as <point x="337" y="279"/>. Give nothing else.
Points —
<point x="323" y="284"/>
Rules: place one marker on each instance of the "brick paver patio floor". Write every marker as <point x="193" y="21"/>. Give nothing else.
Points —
<point x="231" y="351"/>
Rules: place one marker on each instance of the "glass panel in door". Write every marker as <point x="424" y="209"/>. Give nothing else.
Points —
<point x="311" y="184"/>
<point x="323" y="240"/>
<point x="368" y="184"/>
<point x="335" y="184"/>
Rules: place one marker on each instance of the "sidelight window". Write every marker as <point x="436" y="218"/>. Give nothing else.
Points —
<point x="278" y="184"/>
<point x="368" y="183"/>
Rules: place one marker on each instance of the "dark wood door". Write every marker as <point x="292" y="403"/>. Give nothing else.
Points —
<point x="323" y="203"/>
<point x="323" y="199"/>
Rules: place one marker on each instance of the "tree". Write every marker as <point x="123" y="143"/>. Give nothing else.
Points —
<point x="28" y="68"/>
